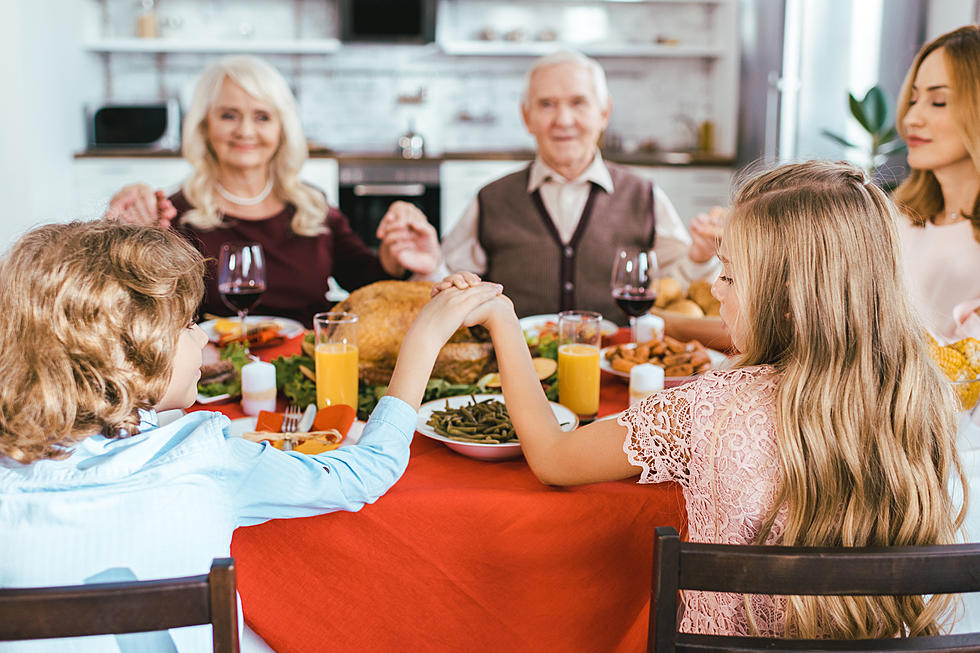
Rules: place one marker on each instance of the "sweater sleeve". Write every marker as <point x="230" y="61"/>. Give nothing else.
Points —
<point x="268" y="484"/>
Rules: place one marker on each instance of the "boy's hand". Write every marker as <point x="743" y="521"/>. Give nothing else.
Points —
<point x="461" y="280"/>
<point x="139" y="204"/>
<point x="449" y="309"/>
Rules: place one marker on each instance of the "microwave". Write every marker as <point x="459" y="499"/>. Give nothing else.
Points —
<point x="150" y="126"/>
<point x="395" y="21"/>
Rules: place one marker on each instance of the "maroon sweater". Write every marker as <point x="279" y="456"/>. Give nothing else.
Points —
<point x="297" y="267"/>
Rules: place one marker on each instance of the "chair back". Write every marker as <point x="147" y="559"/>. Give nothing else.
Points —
<point x="128" y="607"/>
<point x="812" y="571"/>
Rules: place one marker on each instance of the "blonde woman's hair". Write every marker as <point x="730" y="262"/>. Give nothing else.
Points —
<point x="865" y="422"/>
<point x="90" y="314"/>
<point x="264" y="83"/>
<point x="920" y="196"/>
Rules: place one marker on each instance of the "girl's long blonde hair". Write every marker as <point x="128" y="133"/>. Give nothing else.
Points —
<point x="264" y="83"/>
<point x="865" y="422"/>
<point x="920" y="195"/>
<point x="90" y="315"/>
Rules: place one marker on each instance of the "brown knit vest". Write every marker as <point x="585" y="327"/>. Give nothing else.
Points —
<point x="539" y="272"/>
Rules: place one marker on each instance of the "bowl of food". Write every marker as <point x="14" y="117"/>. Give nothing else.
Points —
<point x="478" y="426"/>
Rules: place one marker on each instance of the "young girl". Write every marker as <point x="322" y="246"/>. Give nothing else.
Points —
<point x="938" y="116"/>
<point x="96" y="321"/>
<point x="834" y="429"/>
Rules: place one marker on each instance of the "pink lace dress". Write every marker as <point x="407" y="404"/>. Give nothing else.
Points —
<point x="716" y="436"/>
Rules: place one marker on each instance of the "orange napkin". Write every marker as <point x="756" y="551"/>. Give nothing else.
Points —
<point x="337" y="418"/>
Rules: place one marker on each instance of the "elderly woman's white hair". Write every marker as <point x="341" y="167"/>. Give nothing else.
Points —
<point x="264" y="83"/>
<point x="569" y="56"/>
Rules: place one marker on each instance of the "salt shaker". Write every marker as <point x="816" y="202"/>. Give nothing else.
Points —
<point x="258" y="387"/>
<point x="645" y="379"/>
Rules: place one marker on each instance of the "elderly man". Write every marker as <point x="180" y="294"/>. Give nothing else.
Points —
<point x="549" y="233"/>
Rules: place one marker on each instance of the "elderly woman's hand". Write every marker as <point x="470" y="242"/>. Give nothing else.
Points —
<point x="706" y="231"/>
<point x="140" y="204"/>
<point x="408" y="241"/>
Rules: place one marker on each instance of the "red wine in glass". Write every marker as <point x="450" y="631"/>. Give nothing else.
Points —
<point x="633" y="282"/>
<point x="241" y="298"/>
<point x="634" y="301"/>
<point x="241" y="278"/>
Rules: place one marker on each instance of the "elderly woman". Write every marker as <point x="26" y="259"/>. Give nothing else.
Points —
<point x="242" y="136"/>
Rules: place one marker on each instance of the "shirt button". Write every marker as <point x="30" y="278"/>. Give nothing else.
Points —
<point x="569" y="286"/>
<point x="569" y="251"/>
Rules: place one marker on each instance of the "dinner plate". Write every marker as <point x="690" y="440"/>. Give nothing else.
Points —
<point x="719" y="361"/>
<point x="205" y="399"/>
<point x="246" y="424"/>
<point x="483" y="450"/>
<point x="532" y="324"/>
<point x="287" y="327"/>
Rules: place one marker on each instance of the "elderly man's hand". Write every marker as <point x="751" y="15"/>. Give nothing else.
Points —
<point x="408" y="241"/>
<point x="140" y="204"/>
<point x="706" y="231"/>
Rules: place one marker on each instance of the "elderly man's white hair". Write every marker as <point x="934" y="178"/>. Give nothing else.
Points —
<point x="570" y="56"/>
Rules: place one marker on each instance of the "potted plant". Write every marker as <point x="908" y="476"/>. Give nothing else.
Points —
<point x="872" y="113"/>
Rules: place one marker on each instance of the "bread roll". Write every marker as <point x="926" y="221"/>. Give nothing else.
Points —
<point x="685" y="307"/>
<point x="669" y="290"/>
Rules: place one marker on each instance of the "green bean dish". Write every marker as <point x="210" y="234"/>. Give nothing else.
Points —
<point x="485" y="421"/>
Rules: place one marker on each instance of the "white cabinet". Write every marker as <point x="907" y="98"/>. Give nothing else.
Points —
<point x="98" y="178"/>
<point x="459" y="182"/>
<point x="691" y="189"/>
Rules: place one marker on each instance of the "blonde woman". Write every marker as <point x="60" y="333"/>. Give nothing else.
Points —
<point x="96" y="321"/>
<point x="939" y="118"/>
<point x="834" y="428"/>
<point x="243" y="137"/>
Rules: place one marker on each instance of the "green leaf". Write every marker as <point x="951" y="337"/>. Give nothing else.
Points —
<point x="857" y="110"/>
<point x="890" y="135"/>
<point x="840" y="140"/>
<point x="892" y="148"/>
<point x="875" y="107"/>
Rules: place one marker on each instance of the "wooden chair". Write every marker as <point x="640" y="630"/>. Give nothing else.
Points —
<point x="128" y="607"/>
<point x="804" y="571"/>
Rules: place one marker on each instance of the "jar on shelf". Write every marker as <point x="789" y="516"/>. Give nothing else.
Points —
<point x="146" y="20"/>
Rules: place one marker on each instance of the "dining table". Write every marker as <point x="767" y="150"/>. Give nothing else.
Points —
<point x="461" y="555"/>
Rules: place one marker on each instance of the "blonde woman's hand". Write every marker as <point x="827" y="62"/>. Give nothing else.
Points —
<point x="706" y="231"/>
<point x="408" y="241"/>
<point x="139" y="204"/>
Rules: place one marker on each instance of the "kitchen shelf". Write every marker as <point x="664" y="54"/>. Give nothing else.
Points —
<point x="162" y="46"/>
<point x="537" y="48"/>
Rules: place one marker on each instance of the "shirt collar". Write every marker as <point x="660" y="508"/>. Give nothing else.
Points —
<point x="596" y="173"/>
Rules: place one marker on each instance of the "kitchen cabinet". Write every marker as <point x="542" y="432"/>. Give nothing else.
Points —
<point x="97" y="178"/>
<point x="459" y="182"/>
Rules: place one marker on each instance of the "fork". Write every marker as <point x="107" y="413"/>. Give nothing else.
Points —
<point x="289" y="424"/>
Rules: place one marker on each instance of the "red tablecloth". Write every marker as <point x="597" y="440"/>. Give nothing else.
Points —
<point x="462" y="555"/>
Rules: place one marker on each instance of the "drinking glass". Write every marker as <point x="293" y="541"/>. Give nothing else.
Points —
<point x="335" y="355"/>
<point x="241" y="278"/>
<point x="579" y="335"/>
<point x="634" y="283"/>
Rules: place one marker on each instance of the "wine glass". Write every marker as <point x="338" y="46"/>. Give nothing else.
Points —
<point x="634" y="282"/>
<point x="241" y="278"/>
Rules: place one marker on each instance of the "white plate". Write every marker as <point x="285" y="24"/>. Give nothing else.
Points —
<point x="287" y="327"/>
<point x="718" y="362"/>
<point x="533" y="323"/>
<point x="245" y="424"/>
<point x="484" y="450"/>
<point x="205" y="399"/>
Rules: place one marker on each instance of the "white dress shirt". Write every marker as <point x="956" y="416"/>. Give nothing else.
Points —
<point x="565" y="200"/>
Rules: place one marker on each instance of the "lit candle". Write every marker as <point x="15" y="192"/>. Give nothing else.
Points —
<point x="258" y="387"/>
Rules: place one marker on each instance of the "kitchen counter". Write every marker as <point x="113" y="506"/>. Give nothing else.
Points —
<point x="630" y="158"/>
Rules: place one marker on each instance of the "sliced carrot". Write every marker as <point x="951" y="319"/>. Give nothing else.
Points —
<point x="339" y="417"/>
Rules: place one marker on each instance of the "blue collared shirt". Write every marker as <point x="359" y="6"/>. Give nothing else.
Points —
<point x="164" y="502"/>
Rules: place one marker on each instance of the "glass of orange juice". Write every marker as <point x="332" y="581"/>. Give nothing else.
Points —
<point x="335" y="353"/>
<point x="579" y="335"/>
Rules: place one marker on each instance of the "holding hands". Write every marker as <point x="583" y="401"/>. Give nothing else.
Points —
<point x="706" y="229"/>
<point x="408" y="241"/>
<point x="140" y="205"/>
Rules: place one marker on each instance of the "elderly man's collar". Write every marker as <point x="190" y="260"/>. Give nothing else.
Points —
<point x="596" y="173"/>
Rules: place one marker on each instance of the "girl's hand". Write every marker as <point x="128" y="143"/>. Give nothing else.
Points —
<point x="450" y="309"/>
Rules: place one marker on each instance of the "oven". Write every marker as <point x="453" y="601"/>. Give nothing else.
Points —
<point x="368" y="189"/>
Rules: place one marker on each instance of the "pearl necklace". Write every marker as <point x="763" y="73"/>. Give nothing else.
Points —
<point x="246" y="201"/>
